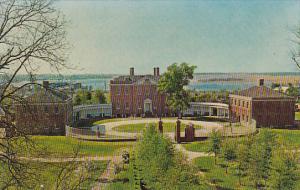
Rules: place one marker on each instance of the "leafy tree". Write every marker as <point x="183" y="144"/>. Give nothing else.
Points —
<point x="229" y="153"/>
<point x="161" y="166"/>
<point x="215" y="143"/>
<point x="275" y="85"/>
<point x="243" y="157"/>
<point x="88" y="95"/>
<point x="78" y="100"/>
<point x="292" y="91"/>
<point x="173" y="82"/>
<point x="100" y="97"/>
<point x="284" y="170"/>
<point x="261" y="157"/>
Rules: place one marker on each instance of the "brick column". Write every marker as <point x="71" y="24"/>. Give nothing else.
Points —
<point x="189" y="133"/>
<point x="160" y="126"/>
<point x="177" y="132"/>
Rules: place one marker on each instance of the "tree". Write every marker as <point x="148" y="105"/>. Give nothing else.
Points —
<point x="284" y="170"/>
<point x="161" y="166"/>
<point x="292" y="91"/>
<point x="78" y="100"/>
<point x="243" y="157"/>
<point x="100" y="97"/>
<point x="261" y="157"/>
<point x="173" y="82"/>
<point x="215" y="143"/>
<point x="32" y="35"/>
<point x="88" y="95"/>
<point x="229" y="153"/>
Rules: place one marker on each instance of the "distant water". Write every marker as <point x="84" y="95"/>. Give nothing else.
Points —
<point x="217" y="86"/>
<point x="201" y="82"/>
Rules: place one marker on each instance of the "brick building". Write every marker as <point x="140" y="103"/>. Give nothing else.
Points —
<point x="44" y="112"/>
<point x="137" y="95"/>
<point x="267" y="107"/>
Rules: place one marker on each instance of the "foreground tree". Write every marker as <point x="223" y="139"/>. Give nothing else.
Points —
<point x="32" y="35"/>
<point x="284" y="170"/>
<point x="173" y="82"/>
<point x="160" y="165"/>
<point x="229" y="153"/>
<point x="215" y="143"/>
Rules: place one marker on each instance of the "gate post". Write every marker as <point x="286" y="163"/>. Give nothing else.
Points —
<point x="160" y="126"/>
<point x="177" y="132"/>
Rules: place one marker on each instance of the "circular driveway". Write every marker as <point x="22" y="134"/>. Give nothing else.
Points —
<point x="206" y="129"/>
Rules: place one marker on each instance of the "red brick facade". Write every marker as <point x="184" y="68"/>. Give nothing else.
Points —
<point x="43" y="113"/>
<point x="267" y="107"/>
<point x="137" y="95"/>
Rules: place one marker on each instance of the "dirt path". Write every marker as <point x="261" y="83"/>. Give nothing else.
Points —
<point x="191" y="155"/>
<point x="107" y="175"/>
<point x="78" y="159"/>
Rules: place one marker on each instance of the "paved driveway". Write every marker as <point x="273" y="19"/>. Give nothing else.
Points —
<point x="207" y="127"/>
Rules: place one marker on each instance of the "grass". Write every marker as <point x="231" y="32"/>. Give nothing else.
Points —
<point x="61" y="146"/>
<point x="136" y="128"/>
<point x="216" y="174"/>
<point x="291" y="137"/>
<point x="46" y="174"/>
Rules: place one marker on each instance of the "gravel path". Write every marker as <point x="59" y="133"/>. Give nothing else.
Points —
<point x="207" y="127"/>
<point x="192" y="155"/>
<point x="78" y="159"/>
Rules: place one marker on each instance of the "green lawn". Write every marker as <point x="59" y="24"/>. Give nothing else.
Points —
<point x="135" y="128"/>
<point x="291" y="137"/>
<point x="46" y="174"/>
<point x="216" y="175"/>
<point x="61" y="146"/>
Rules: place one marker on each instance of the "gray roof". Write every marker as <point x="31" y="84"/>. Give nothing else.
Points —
<point x="127" y="79"/>
<point x="43" y="95"/>
<point x="261" y="92"/>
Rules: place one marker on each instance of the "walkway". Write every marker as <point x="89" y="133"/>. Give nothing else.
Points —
<point x="108" y="174"/>
<point x="205" y="131"/>
<point x="192" y="155"/>
<point x="68" y="159"/>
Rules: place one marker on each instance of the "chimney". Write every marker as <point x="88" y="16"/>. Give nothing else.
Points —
<point x="46" y="84"/>
<point x="131" y="71"/>
<point x="154" y="71"/>
<point x="157" y="71"/>
<point x="261" y="82"/>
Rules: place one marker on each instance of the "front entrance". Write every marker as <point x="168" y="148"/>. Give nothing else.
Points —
<point x="148" y="107"/>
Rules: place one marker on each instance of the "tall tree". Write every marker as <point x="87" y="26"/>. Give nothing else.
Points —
<point x="215" y="143"/>
<point x="32" y="35"/>
<point x="173" y="82"/>
<point x="229" y="152"/>
<point x="100" y="97"/>
<point x="285" y="171"/>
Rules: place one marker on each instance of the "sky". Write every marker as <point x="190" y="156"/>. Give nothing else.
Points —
<point x="216" y="36"/>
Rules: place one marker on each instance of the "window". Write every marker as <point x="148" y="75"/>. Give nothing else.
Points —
<point x="56" y="110"/>
<point x="118" y="90"/>
<point x="46" y="109"/>
<point x="126" y="91"/>
<point x="127" y="105"/>
<point x="247" y="104"/>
